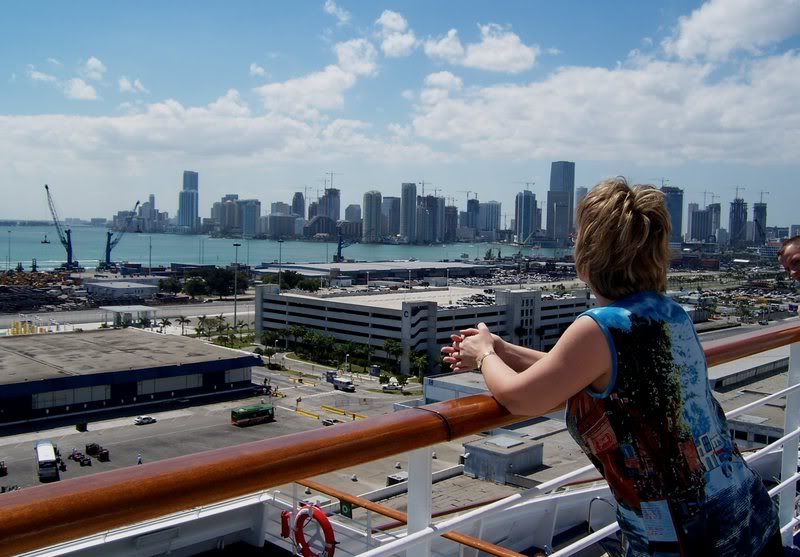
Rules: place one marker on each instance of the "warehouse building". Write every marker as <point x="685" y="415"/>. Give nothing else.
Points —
<point x="120" y="290"/>
<point x="43" y="376"/>
<point x="422" y="319"/>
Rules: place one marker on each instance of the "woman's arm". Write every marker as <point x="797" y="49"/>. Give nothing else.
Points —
<point x="580" y="358"/>
<point x="518" y="358"/>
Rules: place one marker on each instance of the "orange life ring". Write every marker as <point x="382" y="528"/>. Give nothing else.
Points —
<point x="305" y="514"/>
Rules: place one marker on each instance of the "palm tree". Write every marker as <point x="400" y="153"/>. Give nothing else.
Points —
<point x="182" y="321"/>
<point x="419" y="363"/>
<point x="165" y="322"/>
<point x="394" y="349"/>
<point x="202" y="323"/>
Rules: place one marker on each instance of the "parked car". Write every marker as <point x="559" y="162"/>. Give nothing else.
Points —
<point x="331" y="421"/>
<point x="143" y="420"/>
<point x="388" y="387"/>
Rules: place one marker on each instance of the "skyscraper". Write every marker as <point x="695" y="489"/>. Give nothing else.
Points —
<point x="580" y="193"/>
<point x="313" y="209"/>
<point x="473" y="208"/>
<point x="249" y="213"/>
<point x="737" y="223"/>
<point x="562" y="179"/>
<point x="692" y="209"/>
<point x="558" y="215"/>
<point x="390" y="208"/>
<point x="371" y="231"/>
<point x="188" y="202"/>
<point x="716" y="215"/>
<point x="352" y="213"/>
<point x="299" y="204"/>
<point x="450" y="223"/>
<point x="701" y="225"/>
<point x="408" y="212"/>
<point x="759" y="224"/>
<point x="525" y="216"/>
<point x="329" y="204"/>
<point x="489" y="216"/>
<point x="674" y="200"/>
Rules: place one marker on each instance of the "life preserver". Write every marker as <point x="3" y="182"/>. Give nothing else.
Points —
<point x="305" y="514"/>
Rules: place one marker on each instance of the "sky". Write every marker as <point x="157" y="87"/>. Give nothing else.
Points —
<point x="108" y="102"/>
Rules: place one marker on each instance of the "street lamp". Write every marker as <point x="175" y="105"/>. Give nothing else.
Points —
<point x="280" y="263"/>
<point x="347" y="366"/>
<point x="235" y="280"/>
<point x="8" y="260"/>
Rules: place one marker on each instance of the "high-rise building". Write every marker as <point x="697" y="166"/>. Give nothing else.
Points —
<point x="759" y="224"/>
<point x="692" y="209"/>
<point x="558" y="215"/>
<point x="371" y="231"/>
<point x="794" y="230"/>
<point x="737" y="223"/>
<point x="673" y="198"/>
<point x="716" y="215"/>
<point x="473" y="208"/>
<point x="562" y="179"/>
<point x="525" y="216"/>
<point x="489" y="215"/>
<point x="408" y="212"/>
<point x="280" y="208"/>
<point x="299" y="204"/>
<point x="423" y="221"/>
<point x="435" y="215"/>
<point x="450" y="223"/>
<point x="249" y="214"/>
<point x="313" y="210"/>
<point x="701" y="225"/>
<point x="329" y="204"/>
<point x="352" y="213"/>
<point x="188" y="203"/>
<point x="390" y="209"/>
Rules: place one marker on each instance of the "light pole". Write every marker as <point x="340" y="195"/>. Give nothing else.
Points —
<point x="367" y="281"/>
<point x="235" y="280"/>
<point x="280" y="263"/>
<point x="8" y="259"/>
<point x="347" y="367"/>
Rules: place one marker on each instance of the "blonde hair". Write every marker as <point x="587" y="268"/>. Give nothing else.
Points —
<point x="623" y="239"/>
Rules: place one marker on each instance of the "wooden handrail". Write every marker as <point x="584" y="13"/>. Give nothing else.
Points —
<point x="49" y="514"/>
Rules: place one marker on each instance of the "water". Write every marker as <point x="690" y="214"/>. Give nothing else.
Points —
<point x="89" y="246"/>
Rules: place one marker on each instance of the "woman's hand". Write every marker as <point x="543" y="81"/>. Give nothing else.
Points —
<point x="473" y="346"/>
<point x="460" y="361"/>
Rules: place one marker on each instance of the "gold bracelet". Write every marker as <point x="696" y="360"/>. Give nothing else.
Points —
<point x="483" y="357"/>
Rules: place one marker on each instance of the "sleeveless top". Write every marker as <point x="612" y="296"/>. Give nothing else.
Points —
<point x="661" y="441"/>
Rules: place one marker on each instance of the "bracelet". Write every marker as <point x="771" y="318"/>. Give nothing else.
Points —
<point x="483" y="357"/>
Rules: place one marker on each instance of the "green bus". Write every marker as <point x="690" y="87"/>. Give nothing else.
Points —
<point x="251" y="415"/>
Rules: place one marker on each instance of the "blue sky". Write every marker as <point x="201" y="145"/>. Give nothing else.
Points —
<point x="109" y="102"/>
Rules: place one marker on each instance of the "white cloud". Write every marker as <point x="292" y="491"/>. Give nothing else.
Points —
<point x="721" y="27"/>
<point x="553" y="51"/>
<point x="55" y="61"/>
<point x="500" y="50"/>
<point x="342" y="15"/>
<point x="444" y="80"/>
<point x="447" y="48"/>
<point x="36" y="75"/>
<point x="126" y="86"/>
<point x="306" y="96"/>
<point x="408" y="94"/>
<point x="645" y="110"/>
<point x="357" y="56"/>
<point x="256" y="70"/>
<point x="93" y="69"/>
<point x="78" y="89"/>
<point x="396" y="39"/>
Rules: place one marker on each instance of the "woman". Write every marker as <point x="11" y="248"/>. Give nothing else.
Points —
<point x="633" y="374"/>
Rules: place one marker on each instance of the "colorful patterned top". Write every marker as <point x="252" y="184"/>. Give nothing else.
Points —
<point x="661" y="440"/>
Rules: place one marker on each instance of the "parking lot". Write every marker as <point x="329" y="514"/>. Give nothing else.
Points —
<point x="190" y="430"/>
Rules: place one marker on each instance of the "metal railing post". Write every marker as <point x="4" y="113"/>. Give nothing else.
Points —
<point x="789" y="455"/>
<point x="420" y="483"/>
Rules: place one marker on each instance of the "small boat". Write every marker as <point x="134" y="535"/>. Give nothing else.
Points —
<point x="45" y="241"/>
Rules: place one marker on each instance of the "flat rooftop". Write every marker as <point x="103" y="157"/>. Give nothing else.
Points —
<point x="378" y="267"/>
<point x="51" y="356"/>
<point x="395" y="298"/>
<point x="119" y="284"/>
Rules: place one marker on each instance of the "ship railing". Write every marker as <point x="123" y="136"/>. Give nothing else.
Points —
<point x="52" y="514"/>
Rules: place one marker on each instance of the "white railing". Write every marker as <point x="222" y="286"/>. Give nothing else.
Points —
<point x="417" y="541"/>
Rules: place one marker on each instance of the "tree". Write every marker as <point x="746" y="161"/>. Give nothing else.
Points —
<point x="165" y="322"/>
<point x="419" y="364"/>
<point x="394" y="349"/>
<point x="489" y="254"/>
<point x="170" y="285"/>
<point x="202" y="325"/>
<point x="195" y="286"/>
<point x="269" y="353"/>
<point x="182" y="321"/>
<point x="221" y="281"/>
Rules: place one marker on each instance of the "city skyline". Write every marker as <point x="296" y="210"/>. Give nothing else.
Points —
<point x="411" y="93"/>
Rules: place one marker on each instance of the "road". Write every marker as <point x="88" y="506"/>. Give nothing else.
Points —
<point x="733" y="331"/>
<point x="189" y="430"/>
<point x="245" y="311"/>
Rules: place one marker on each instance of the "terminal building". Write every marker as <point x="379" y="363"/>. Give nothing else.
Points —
<point x="422" y="319"/>
<point x="87" y="372"/>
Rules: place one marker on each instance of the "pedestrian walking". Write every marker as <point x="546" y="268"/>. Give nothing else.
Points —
<point x="139" y="458"/>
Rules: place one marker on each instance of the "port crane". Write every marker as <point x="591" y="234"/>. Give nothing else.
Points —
<point x="64" y="234"/>
<point x="340" y="245"/>
<point x="113" y="239"/>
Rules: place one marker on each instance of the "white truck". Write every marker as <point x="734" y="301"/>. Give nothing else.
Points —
<point x="342" y="384"/>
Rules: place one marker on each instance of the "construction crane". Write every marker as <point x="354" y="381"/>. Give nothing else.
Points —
<point x="112" y="240"/>
<point x="761" y="196"/>
<point x="737" y="188"/>
<point x="64" y="234"/>
<point x="468" y="192"/>
<point x="422" y="183"/>
<point x="528" y="185"/>
<point x="706" y="193"/>
<point x="436" y="191"/>
<point x="332" y="174"/>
